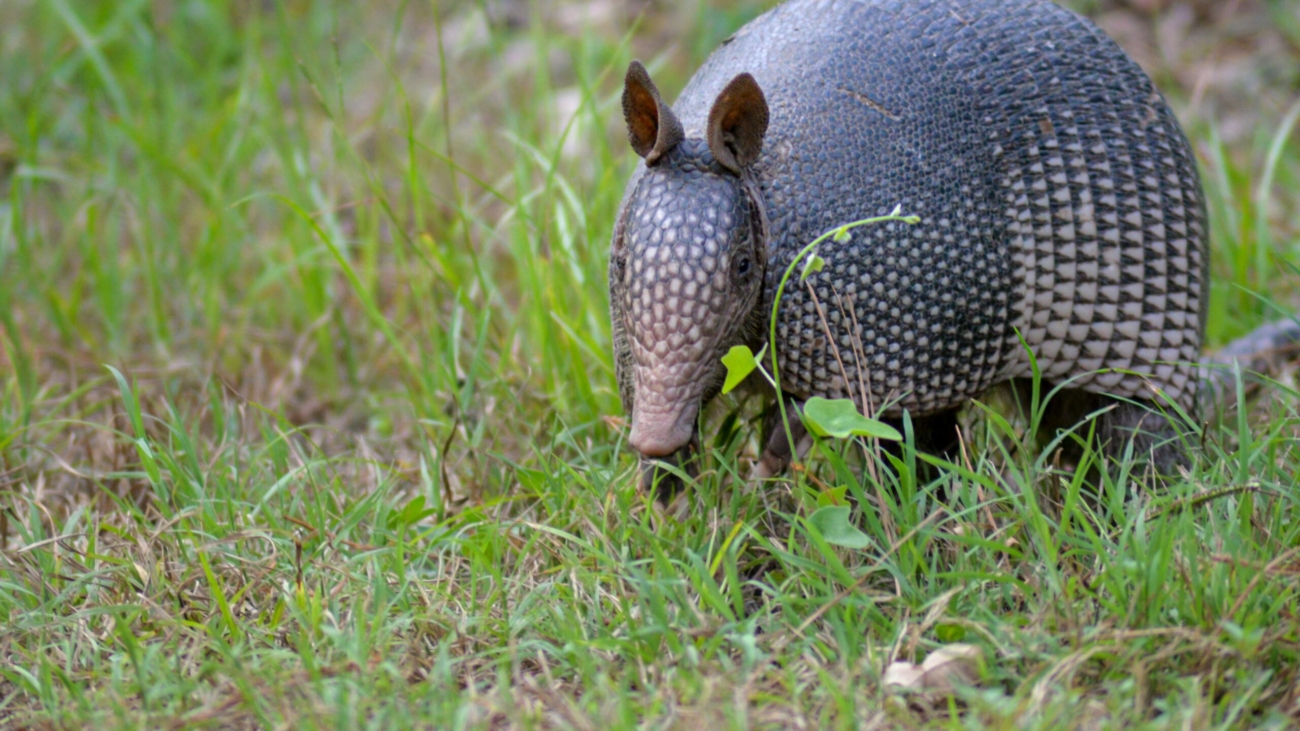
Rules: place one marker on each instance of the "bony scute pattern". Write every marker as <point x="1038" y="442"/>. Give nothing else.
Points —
<point x="683" y="249"/>
<point x="1058" y="200"/>
<point x="1107" y="225"/>
<point x="678" y="252"/>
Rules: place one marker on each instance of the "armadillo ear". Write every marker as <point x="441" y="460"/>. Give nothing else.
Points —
<point x="652" y="128"/>
<point x="737" y="123"/>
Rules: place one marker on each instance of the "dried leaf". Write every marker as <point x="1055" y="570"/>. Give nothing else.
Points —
<point x="950" y="664"/>
<point x="945" y="668"/>
<point x="903" y="675"/>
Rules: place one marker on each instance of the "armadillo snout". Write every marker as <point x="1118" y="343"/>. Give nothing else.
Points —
<point x="663" y="420"/>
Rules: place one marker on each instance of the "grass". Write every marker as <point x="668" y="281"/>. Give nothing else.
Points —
<point x="308" y="419"/>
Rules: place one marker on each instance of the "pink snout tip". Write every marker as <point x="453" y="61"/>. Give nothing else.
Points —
<point x="659" y="434"/>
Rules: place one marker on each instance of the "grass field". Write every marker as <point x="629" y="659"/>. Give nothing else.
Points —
<point x="308" y="417"/>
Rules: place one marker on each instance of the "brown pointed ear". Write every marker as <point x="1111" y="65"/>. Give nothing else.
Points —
<point x="737" y="123"/>
<point x="652" y="128"/>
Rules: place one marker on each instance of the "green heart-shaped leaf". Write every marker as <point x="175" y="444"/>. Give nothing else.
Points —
<point x="839" y="418"/>
<point x="740" y="362"/>
<point x="833" y="523"/>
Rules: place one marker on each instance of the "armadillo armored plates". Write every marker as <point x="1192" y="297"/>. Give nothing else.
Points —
<point x="1058" y="200"/>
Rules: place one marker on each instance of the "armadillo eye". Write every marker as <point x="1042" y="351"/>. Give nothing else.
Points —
<point x="742" y="268"/>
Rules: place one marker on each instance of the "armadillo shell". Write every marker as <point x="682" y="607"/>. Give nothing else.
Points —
<point x="1059" y="201"/>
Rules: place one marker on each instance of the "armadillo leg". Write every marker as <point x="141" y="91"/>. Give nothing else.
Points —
<point x="936" y="434"/>
<point x="1155" y="436"/>
<point x="776" y="452"/>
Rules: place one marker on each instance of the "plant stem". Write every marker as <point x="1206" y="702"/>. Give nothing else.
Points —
<point x="776" y="303"/>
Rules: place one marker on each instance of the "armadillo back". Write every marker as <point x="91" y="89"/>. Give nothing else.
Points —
<point x="1057" y="193"/>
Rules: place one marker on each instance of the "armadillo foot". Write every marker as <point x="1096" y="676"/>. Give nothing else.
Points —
<point x="1157" y="438"/>
<point x="777" y="454"/>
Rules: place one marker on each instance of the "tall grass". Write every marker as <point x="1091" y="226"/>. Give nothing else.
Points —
<point x="308" y="419"/>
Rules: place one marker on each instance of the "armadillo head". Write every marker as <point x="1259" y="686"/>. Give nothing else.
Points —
<point x="688" y="261"/>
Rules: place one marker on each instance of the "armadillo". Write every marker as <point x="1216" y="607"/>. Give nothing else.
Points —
<point x="1060" y="215"/>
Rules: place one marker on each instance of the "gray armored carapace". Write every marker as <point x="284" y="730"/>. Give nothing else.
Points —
<point x="1059" y="203"/>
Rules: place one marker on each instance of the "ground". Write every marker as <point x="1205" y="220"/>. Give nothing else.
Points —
<point x="308" y="417"/>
